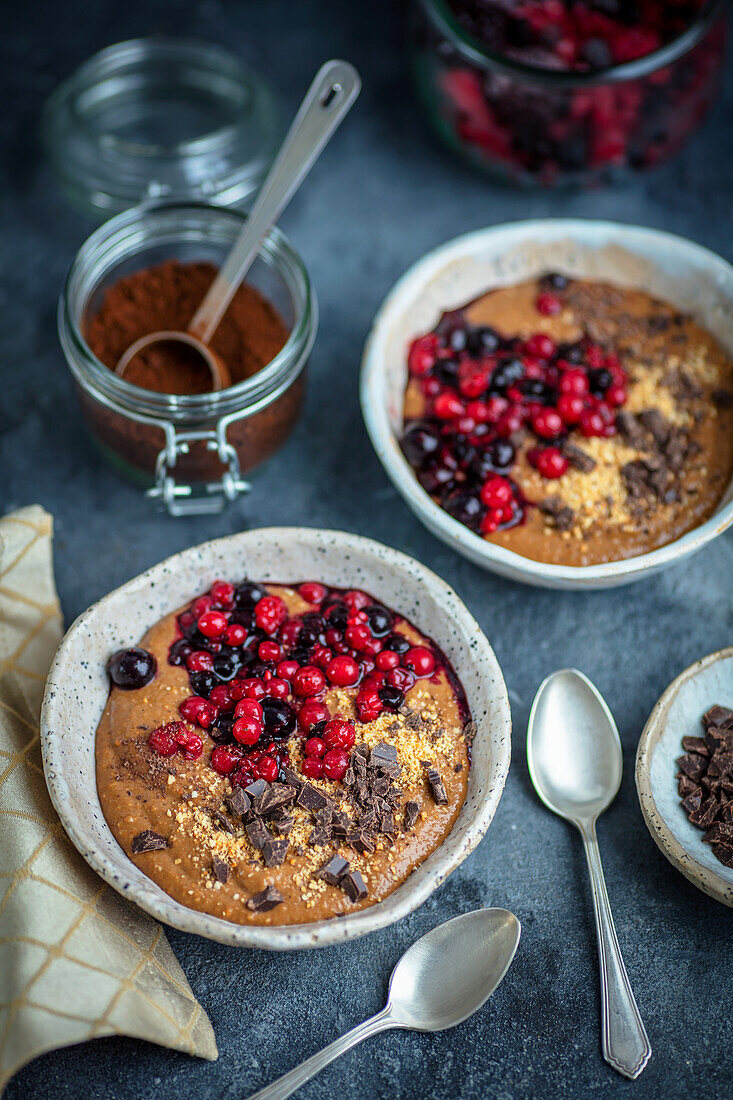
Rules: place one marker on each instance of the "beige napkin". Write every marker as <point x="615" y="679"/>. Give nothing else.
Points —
<point x="76" y="961"/>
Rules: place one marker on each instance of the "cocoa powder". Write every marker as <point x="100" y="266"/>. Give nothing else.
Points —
<point x="166" y="296"/>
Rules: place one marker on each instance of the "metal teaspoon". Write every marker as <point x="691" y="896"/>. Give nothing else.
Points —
<point x="327" y="101"/>
<point x="575" y="762"/>
<point x="439" y="982"/>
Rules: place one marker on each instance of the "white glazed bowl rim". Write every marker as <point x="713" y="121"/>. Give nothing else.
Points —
<point x="80" y="822"/>
<point x="501" y="239"/>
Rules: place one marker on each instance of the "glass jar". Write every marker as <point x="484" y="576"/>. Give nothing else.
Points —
<point x="190" y="450"/>
<point x="161" y="120"/>
<point x="530" y="125"/>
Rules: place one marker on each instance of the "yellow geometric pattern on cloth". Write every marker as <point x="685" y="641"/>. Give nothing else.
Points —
<point x="76" y="960"/>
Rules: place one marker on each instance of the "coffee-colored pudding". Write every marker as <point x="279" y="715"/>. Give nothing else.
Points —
<point x="573" y="422"/>
<point x="276" y="755"/>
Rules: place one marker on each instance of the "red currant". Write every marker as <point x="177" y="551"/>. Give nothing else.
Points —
<point x="338" y="735"/>
<point x="212" y="624"/>
<point x="224" y="759"/>
<point x="247" y="730"/>
<point x="267" y="769"/>
<point x="343" y="671"/>
<point x="308" y="681"/>
<point x="270" y="613"/>
<point x="312" y="767"/>
<point x="420" y="659"/>
<point x="235" y="634"/>
<point x="551" y="462"/>
<point x="312" y="592"/>
<point x="222" y="593"/>
<point x="496" y="492"/>
<point x="549" y="305"/>
<point x="310" y="713"/>
<point x="335" y="764"/>
<point x="547" y="423"/>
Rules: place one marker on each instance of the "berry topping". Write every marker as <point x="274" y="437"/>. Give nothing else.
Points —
<point x="314" y="746"/>
<point x="339" y="734"/>
<point x="312" y="767"/>
<point x="421" y="660"/>
<point x="132" y="668"/>
<point x="212" y="624"/>
<point x="308" y="681"/>
<point x="270" y="613"/>
<point x="550" y="462"/>
<point x="335" y="763"/>
<point x="224" y="759"/>
<point x="312" y="592"/>
<point x="311" y="713"/>
<point x="343" y="671"/>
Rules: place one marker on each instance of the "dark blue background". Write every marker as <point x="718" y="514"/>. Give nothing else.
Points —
<point x="381" y="196"/>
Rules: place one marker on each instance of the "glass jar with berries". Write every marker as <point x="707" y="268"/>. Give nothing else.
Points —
<point x="552" y="92"/>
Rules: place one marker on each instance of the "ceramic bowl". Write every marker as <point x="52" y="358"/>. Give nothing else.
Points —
<point x="677" y="715"/>
<point x="77" y="689"/>
<point x="670" y="267"/>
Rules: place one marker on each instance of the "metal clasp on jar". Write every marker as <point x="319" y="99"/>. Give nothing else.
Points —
<point x="205" y="498"/>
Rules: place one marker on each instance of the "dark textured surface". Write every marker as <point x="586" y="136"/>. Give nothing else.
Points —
<point x="381" y="196"/>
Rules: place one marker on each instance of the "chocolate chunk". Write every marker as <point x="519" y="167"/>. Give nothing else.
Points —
<point x="274" y="852"/>
<point x="457" y="768"/>
<point x="561" y="515"/>
<point x="368" y="819"/>
<point x="341" y="825"/>
<point x="349" y="777"/>
<point x="220" y="869"/>
<point x="379" y="785"/>
<point x="238" y="802"/>
<point x="360" y="753"/>
<point x="276" y="795"/>
<point x="148" y="841"/>
<point x="292" y="778"/>
<point x="578" y="458"/>
<point x="281" y="822"/>
<point x="360" y="841"/>
<point x="724" y="852"/>
<point x="720" y="717"/>
<point x="324" y="816"/>
<point x="310" y="798"/>
<point x="437" y="787"/>
<point x="353" y="886"/>
<point x="412" y="812"/>
<point x="695" y="744"/>
<point x="630" y="429"/>
<point x="334" y="870"/>
<point x="258" y="834"/>
<point x="705" y="816"/>
<point x="722" y="762"/>
<point x="222" y="821"/>
<point x="719" y="831"/>
<point x="256" y="789"/>
<point x="686" y="786"/>
<point x="322" y="834"/>
<point x="693" y="765"/>
<point x="267" y="899"/>
<point x="387" y="824"/>
<point x="656" y="424"/>
<point x="383" y="756"/>
<point x="693" y="802"/>
<point x="469" y="732"/>
<point x="722" y="399"/>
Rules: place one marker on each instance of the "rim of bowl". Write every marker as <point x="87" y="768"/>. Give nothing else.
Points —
<point x="290" y="936"/>
<point x="439" y="12"/>
<point x="374" y="410"/>
<point x="680" y="857"/>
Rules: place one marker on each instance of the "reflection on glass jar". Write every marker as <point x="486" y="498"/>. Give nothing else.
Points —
<point x="190" y="450"/>
<point x="533" y="125"/>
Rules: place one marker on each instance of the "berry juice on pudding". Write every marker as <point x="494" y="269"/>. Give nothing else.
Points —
<point x="277" y="754"/>
<point x="570" y="421"/>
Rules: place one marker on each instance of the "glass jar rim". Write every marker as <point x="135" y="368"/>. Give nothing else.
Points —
<point x="440" y="13"/>
<point x="109" y="172"/>
<point x="276" y="251"/>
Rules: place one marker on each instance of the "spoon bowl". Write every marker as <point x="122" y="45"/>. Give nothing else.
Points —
<point x="451" y="971"/>
<point x="220" y="377"/>
<point x="439" y="982"/>
<point x="573" y="747"/>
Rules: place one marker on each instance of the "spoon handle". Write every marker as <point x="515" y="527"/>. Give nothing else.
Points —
<point x="293" y="1080"/>
<point x="334" y="89"/>
<point x="625" y="1043"/>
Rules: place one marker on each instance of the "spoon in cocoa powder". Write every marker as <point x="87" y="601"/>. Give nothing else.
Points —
<point x="328" y="100"/>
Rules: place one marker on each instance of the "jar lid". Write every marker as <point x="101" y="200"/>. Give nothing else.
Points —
<point x="161" y="119"/>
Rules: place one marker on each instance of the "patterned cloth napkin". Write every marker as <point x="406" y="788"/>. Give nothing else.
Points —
<point x="76" y="961"/>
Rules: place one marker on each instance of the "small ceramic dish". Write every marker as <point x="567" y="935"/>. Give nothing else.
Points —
<point x="77" y="690"/>
<point x="677" y="715"/>
<point x="667" y="266"/>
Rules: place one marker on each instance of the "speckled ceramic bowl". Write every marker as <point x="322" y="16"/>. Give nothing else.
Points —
<point x="77" y="691"/>
<point x="677" y="715"/>
<point x="670" y="267"/>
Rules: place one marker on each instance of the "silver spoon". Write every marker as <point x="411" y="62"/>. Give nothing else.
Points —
<point x="575" y="762"/>
<point x="327" y="101"/>
<point x="439" y="982"/>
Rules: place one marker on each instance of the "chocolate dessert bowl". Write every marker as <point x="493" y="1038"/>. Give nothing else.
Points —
<point x="693" y="281"/>
<point x="78" y="686"/>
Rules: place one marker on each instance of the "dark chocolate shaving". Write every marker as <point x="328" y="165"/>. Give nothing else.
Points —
<point x="334" y="870"/>
<point x="222" y="821"/>
<point x="276" y="795"/>
<point x="274" y="852"/>
<point x="412" y="812"/>
<point x="258" y="834"/>
<point x="437" y="786"/>
<point x="238" y="803"/>
<point x="561" y="515"/>
<point x="148" y="841"/>
<point x="578" y="458"/>
<point x="353" y="886"/>
<point x="310" y="798"/>
<point x="254" y="790"/>
<point x="267" y="899"/>
<point x="220" y="869"/>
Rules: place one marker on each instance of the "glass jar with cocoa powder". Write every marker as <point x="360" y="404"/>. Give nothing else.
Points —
<point x="191" y="450"/>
